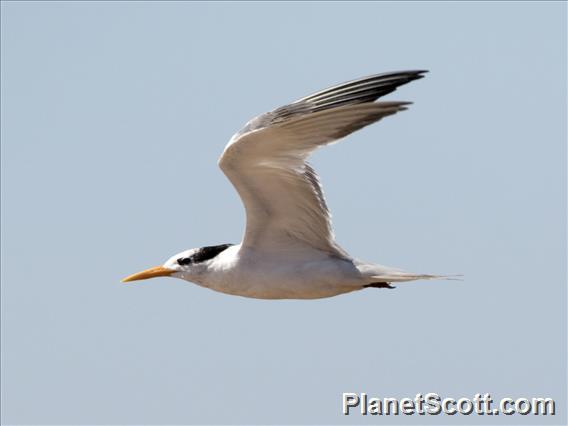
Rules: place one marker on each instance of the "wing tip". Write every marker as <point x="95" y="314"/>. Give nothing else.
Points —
<point x="416" y="72"/>
<point x="410" y="73"/>
<point x="415" y="75"/>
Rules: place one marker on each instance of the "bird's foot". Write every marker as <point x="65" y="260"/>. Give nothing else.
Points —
<point x="379" y="285"/>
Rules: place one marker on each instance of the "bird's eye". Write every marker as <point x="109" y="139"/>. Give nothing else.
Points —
<point x="184" y="260"/>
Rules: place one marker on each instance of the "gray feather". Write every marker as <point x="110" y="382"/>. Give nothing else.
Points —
<point x="363" y="90"/>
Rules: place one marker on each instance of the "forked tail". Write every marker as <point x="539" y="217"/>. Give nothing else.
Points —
<point x="378" y="273"/>
<point x="408" y="276"/>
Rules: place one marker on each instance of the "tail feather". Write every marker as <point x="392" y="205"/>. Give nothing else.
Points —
<point x="378" y="273"/>
<point x="394" y="277"/>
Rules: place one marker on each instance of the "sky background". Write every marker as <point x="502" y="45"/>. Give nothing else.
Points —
<point x="113" y="117"/>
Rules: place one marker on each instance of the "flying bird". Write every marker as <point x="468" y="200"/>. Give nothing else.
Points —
<point x="289" y="250"/>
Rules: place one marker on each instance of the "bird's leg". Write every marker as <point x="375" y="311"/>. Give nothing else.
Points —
<point x="379" y="285"/>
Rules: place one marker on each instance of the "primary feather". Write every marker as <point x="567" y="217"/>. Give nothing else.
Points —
<point x="267" y="160"/>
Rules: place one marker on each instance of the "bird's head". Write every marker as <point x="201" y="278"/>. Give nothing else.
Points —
<point x="188" y="265"/>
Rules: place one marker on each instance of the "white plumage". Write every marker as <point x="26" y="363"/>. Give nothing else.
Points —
<point x="288" y="249"/>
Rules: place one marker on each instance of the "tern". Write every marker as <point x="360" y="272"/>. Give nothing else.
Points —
<point x="289" y="250"/>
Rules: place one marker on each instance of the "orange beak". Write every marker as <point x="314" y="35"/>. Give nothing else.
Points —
<point x="157" y="271"/>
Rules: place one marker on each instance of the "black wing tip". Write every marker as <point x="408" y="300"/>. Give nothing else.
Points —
<point x="400" y="78"/>
<point x="415" y="72"/>
<point x="391" y="79"/>
<point x="419" y="74"/>
<point x="404" y="77"/>
<point x="402" y="73"/>
<point x="412" y="75"/>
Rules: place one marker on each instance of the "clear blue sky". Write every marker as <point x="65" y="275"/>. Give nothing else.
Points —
<point x="113" y="117"/>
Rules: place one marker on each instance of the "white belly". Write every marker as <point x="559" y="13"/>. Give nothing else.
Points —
<point x="308" y="275"/>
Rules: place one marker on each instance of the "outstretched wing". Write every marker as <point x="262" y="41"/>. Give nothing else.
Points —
<point x="266" y="160"/>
